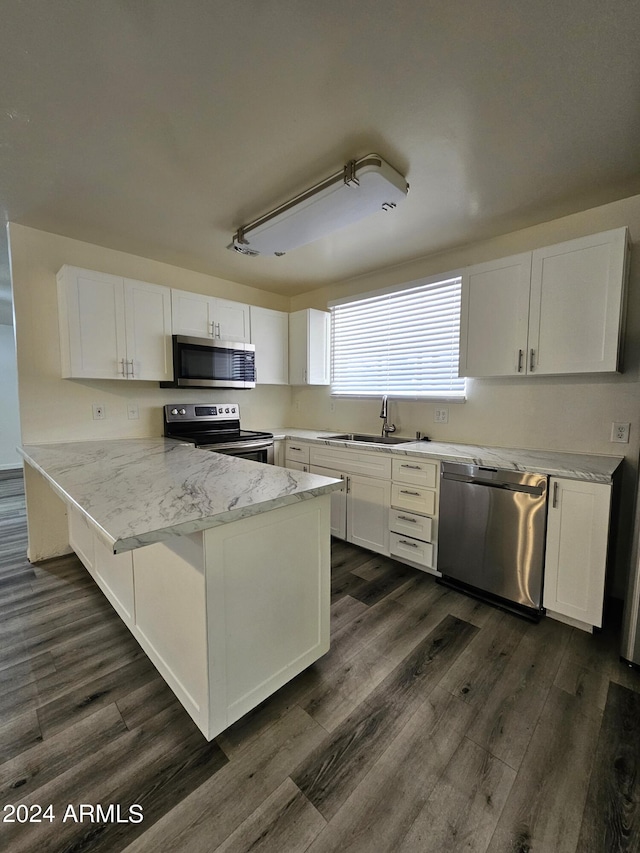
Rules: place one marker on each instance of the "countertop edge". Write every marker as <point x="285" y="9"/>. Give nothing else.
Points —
<point x="508" y="462"/>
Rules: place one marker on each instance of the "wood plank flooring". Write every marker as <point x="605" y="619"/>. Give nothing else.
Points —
<point x="435" y="723"/>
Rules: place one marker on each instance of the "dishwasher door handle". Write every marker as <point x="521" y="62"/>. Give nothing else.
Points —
<point x="491" y="484"/>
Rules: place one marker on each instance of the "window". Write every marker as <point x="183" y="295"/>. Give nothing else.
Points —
<point x="403" y="343"/>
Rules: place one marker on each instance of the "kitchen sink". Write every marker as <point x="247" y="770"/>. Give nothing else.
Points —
<point x="369" y="439"/>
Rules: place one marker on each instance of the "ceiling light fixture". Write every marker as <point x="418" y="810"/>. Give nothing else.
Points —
<point x="363" y="187"/>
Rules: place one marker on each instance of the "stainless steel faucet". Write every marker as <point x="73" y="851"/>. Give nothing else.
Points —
<point x="386" y="427"/>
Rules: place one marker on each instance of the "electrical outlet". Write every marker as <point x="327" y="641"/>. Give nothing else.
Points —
<point x="132" y="411"/>
<point x="441" y="416"/>
<point x="620" y="433"/>
<point x="99" y="412"/>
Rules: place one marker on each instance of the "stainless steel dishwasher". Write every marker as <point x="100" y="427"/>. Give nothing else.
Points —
<point x="491" y="534"/>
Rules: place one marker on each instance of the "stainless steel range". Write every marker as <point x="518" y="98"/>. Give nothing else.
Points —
<point x="216" y="426"/>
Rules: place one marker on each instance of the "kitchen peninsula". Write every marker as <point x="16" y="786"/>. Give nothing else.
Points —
<point x="219" y="566"/>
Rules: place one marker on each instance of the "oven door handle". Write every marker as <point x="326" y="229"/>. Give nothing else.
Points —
<point x="239" y="445"/>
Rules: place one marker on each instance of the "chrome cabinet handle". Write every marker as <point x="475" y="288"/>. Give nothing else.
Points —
<point x="132" y="373"/>
<point x="213" y="328"/>
<point x="520" y="357"/>
<point x="413" y="467"/>
<point x="291" y="447"/>
<point x="532" y="360"/>
<point x="410" y="544"/>
<point x="218" y="333"/>
<point x="122" y="367"/>
<point x="405" y="492"/>
<point x="554" y="502"/>
<point x="406" y="518"/>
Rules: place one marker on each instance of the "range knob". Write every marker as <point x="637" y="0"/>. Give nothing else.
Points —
<point x="174" y="411"/>
<point x="183" y="412"/>
<point x="226" y="411"/>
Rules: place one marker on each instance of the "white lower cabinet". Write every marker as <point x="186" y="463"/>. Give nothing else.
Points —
<point x="368" y="512"/>
<point x="359" y="513"/>
<point x="278" y="453"/>
<point x="112" y="572"/>
<point x="576" y="552"/>
<point x="114" y="576"/>
<point x="227" y="615"/>
<point x="338" y="500"/>
<point x="413" y="519"/>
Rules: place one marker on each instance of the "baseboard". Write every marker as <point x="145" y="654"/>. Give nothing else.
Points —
<point x="10" y="472"/>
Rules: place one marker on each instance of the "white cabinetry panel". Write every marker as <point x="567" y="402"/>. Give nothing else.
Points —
<point x="577" y="304"/>
<point x="576" y="553"/>
<point x="113" y="328"/>
<point x="148" y="330"/>
<point x="200" y="316"/>
<point x="494" y="317"/>
<point x="270" y="334"/>
<point x="556" y="310"/>
<point x="114" y="576"/>
<point x="309" y="347"/>
<point x="368" y="513"/>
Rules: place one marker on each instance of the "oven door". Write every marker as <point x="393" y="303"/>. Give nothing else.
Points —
<point x="257" y="451"/>
<point x="207" y="363"/>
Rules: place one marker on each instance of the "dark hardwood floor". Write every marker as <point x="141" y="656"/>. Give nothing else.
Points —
<point x="435" y="723"/>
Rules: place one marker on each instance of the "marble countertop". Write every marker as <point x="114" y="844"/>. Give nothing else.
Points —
<point x="573" y="466"/>
<point x="139" y="491"/>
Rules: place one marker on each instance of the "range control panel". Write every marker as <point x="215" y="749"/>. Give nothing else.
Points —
<point x="195" y="412"/>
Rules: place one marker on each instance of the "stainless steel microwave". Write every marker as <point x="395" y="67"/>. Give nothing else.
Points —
<point x="209" y="363"/>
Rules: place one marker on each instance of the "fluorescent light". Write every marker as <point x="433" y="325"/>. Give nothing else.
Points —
<point x="363" y="187"/>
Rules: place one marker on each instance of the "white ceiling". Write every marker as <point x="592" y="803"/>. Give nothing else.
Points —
<point x="159" y="127"/>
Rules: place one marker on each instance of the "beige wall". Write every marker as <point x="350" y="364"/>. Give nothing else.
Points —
<point x="554" y="413"/>
<point x="55" y="409"/>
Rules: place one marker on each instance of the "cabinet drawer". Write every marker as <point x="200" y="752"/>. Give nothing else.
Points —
<point x="413" y="498"/>
<point x="409" y="524"/>
<point x="415" y="471"/>
<point x="297" y="452"/>
<point x="412" y="549"/>
<point x="352" y="461"/>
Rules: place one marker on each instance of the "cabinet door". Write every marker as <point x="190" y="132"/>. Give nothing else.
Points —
<point x="368" y="503"/>
<point x="309" y="347"/>
<point x="148" y="328"/>
<point x="577" y="299"/>
<point x="576" y="553"/>
<point x="297" y="466"/>
<point x="278" y="453"/>
<point x="318" y="348"/>
<point x="494" y="317"/>
<point x="92" y="325"/>
<point x="231" y="321"/>
<point x="338" y="502"/>
<point x="270" y="334"/>
<point x="114" y="576"/>
<point x="192" y="314"/>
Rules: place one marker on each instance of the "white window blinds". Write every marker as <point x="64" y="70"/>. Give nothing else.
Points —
<point x="403" y="343"/>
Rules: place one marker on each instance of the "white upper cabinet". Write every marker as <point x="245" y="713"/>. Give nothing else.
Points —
<point x="147" y="309"/>
<point x="577" y="302"/>
<point x="557" y="310"/>
<point x="309" y="347"/>
<point x="270" y="334"/>
<point x="494" y="317"/>
<point x="192" y="314"/>
<point x="200" y="316"/>
<point x="113" y="328"/>
<point x="231" y="321"/>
